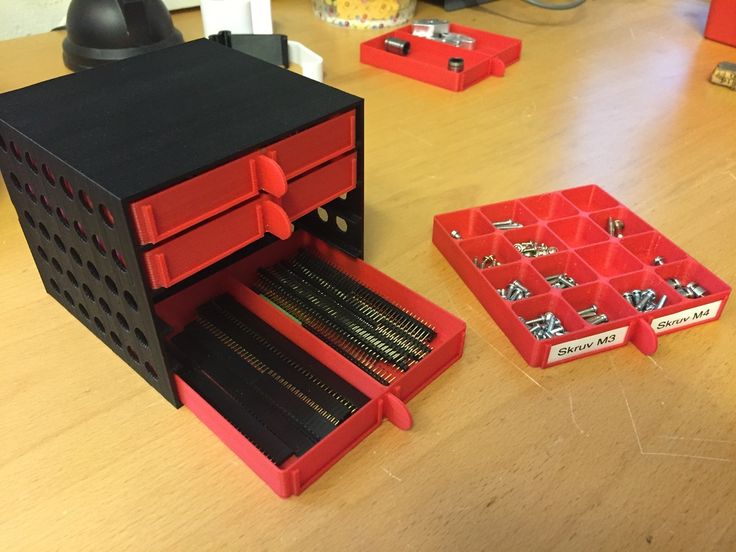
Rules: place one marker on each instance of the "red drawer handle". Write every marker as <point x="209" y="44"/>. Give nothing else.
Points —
<point x="270" y="176"/>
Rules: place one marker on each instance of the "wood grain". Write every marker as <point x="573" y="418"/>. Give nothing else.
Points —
<point x="615" y="452"/>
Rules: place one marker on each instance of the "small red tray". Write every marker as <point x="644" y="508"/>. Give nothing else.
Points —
<point x="427" y="59"/>
<point x="386" y="402"/>
<point x="604" y="266"/>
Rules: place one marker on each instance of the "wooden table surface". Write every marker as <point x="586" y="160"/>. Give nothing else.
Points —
<point x="618" y="451"/>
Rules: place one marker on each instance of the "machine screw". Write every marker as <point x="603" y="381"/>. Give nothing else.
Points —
<point x="455" y="234"/>
<point x="658" y="260"/>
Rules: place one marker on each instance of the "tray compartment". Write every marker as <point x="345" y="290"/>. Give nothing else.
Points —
<point x="632" y="223"/>
<point x="493" y="244"/>
<point x="502" y="276"/>
<point x="609" y="259"/>
<point x="578" y="231"/>
<point x="565" y="263"/>
<point x="550" y="206"/>
<point x="468" y="222"/>
<point x="653" y="244"/>
<point x="508" y="210"/>
<point x="537" y="233"/>
<point x="590" y="198"/>
<point x="607" y="299"/>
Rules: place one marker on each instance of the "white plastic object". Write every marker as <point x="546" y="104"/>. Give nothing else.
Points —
<point x="310" y="62"/>
<point x="236" y="16"/>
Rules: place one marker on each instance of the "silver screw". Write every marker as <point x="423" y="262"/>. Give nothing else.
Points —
<point x="658" y="260"/>
<point x="455" y="234"/>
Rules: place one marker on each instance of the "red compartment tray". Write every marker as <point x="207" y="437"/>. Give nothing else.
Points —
<point x="385" y="401"/>
<point x="604" y="266"/>
<point x="427" y="59"/>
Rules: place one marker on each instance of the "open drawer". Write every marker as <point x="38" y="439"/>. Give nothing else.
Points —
<point x="291" y="473"/>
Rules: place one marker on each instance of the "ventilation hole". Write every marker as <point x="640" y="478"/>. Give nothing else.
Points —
<point x="55" y="286"/>
<point x="88" y="293"/>
<point x="51" y="180"/>
<point x="83" y="310"/>
<point x="133" y="355"/>
<point x="107" y="216"/>
<point x="105" y="307"/>
<point x="151" y="371"/>
<point x="56" y="265"/>
<point x="31" y="162"/>
<point x="342" y="224"/>
<point x="86" y="201"/>
<point x="66" y="187"/>
<point x="46" y="204"/>
<point x="69" y="298"/>
<point x="75" y="256"/>
<point x="99" y="244"/>
<point x="29" y="219"/>
<point x="16" y="151"/>
<point x="116" y="339"/>
<point x="44" y="232"/>
<point x="123" y="322"/>
<point x="111" y="285"/>
<point x="59" y="243"/>
<point x="31" y="193"/>
<point x="141" y="337"/>
<point x="42" y="253"/>
<point x="93" y="270"/>
<point x="72" y="279"/>
<point x="15" y="181"/>
<point x="62" y="216"/>
<point x="100" y="325"/>
<point x="322" y="213"/>
<point x="130" y="300"/>
<point x="119" y="260"/>
<point x="80" y="231"/>
<point x="3" y="145"/>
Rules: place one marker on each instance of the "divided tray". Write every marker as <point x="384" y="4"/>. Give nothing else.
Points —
<point x="603" y="266"/>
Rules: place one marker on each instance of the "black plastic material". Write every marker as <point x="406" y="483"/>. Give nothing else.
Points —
<point x="101" y="31"/>
<point x="271" y="48"/>
<point x="77" y="150"/>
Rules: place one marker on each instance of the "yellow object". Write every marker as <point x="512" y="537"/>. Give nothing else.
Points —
<point x="365" y="14"/>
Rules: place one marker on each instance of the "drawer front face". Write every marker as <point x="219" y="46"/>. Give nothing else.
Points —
<point x="206" y="244"/>
<point x="314" y="146"/>
<point x="166" y="213"/>
<point x="308" y="192"/>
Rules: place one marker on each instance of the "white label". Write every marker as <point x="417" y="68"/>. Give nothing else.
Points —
<point x="577" y="347"/>
<point x="686" y="317"/>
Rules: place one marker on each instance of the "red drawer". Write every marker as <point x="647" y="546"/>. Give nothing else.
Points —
<point x="200" y="247"/>
<point x="179" y="207"/>
<point x="166" y="213"/>
<point x="314" y="146"/>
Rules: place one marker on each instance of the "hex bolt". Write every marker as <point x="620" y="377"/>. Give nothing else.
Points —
<point x="455" y="234"/>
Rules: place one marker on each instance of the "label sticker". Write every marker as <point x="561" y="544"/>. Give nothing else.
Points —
<point x="686" y="317"/>
<point x="577" y="347"/>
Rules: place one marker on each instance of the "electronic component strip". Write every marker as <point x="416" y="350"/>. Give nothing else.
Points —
<point x="282" y="399"/>
<point x="373" y="333"/>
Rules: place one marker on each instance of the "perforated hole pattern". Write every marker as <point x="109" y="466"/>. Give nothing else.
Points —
<point x="75" y="239"/>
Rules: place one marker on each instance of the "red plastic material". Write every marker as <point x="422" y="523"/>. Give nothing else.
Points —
<point x="604" y="266"/>
<point x="206" y="244"/>
<point x="179" y="207"/>
<point x="427" y="59"/>
<point x="721" y="24"/>
<point x="385" y="401"/>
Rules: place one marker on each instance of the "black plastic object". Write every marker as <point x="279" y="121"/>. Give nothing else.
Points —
<point x="131" y="129"/>
<point x="271" y="48"/>
<point x="101" y="31"/>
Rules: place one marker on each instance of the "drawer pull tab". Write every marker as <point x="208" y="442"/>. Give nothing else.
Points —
<point x="270" y="176"/>
<point x="275" y="220"/>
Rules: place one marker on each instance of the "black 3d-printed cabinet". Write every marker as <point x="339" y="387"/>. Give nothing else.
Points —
<point x="76" y="152"/>
<point x="155" y="192"/>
